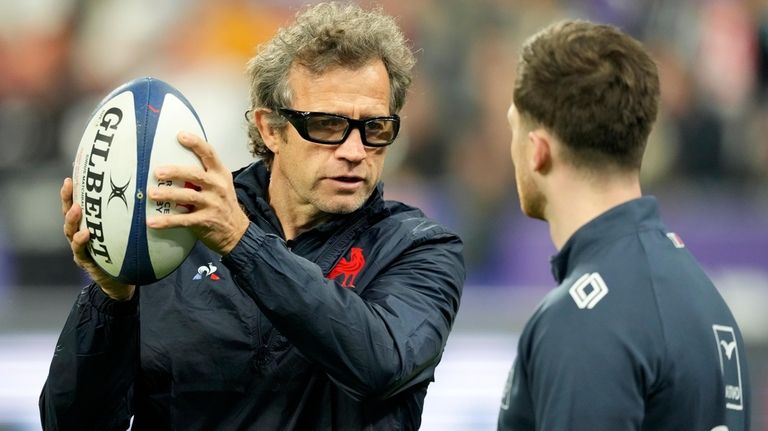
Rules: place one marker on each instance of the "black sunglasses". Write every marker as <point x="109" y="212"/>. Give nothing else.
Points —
<point x="332" y="129"/>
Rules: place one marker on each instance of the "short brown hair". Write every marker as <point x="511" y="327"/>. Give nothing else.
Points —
<point x="594" y="87"/>
<point x="324" y="36"/>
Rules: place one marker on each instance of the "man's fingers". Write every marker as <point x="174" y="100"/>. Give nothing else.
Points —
<point x="171" y="220"/>
<point x="72" y="221"/>
<point x="177" y="195"/>
<point x="80" y="238"/>
<point x="66" y="195"/>
<point x="193" y="174"/>
<point x="79" y="246"/>
<point x="202" y="149"/>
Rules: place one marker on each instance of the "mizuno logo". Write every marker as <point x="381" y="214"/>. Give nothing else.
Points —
<point x="206" y="271"/>
<point x="728" y="348"/>
<point x="349" y="268"/>
<point x="588" y="290"/>
<point x="730" y="365"/>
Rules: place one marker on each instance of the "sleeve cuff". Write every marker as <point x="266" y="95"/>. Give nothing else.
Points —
<point x="241" y="256"/>
<point x="99" y="300"/>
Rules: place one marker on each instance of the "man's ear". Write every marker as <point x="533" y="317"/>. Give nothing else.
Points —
<point x="541" y="151"/>
<point x="270" y="135"/>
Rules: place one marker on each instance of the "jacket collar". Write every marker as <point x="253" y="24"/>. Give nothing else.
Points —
<point x="627" y="218"/>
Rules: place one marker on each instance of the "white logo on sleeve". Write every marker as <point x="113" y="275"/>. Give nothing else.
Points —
<point x="728" y="352"/>
<point x="588" y="290"/>
<point x="728" y="347"/>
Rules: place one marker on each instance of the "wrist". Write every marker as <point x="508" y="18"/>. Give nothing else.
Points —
<point x="120" y="293"/>
<point x="237" y="236"/>
<point x="98" y="298"/>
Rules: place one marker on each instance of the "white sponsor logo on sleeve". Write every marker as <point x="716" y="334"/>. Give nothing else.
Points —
<point x="588" y="290"/>
<point x="728" y="352"/>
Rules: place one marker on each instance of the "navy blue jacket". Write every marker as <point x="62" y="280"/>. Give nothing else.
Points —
<point x="635" y="337"/>
<point x="341" y="329"/>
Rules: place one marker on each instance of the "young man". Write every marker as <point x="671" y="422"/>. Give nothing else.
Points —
<point x="310" y="303"/>
<point x="635" y="337"/>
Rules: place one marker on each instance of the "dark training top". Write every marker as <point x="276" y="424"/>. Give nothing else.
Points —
<point x="340" y="329"/>
<point x="635" y="337"/>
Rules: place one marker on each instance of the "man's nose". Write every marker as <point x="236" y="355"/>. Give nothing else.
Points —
<point x="352" y="148"/>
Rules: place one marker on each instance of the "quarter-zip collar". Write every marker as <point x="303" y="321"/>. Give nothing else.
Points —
<point x="627" y="218"/>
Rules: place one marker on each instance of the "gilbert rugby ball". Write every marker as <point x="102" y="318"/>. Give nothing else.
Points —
<point x="131" y="132"/>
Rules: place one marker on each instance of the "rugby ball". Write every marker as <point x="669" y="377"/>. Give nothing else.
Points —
<point x="131" y="132"/>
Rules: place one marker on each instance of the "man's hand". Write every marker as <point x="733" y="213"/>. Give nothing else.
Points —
<point x="78" y="242"/>
<point x="215" y="215"/>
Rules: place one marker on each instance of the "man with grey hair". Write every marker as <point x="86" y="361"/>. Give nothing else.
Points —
<point x="310" y="302"/>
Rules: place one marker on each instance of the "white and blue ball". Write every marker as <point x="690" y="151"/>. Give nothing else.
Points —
<point x="133" y="131"/>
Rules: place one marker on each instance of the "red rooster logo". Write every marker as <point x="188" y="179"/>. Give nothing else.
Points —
<point x="349" y="268"/>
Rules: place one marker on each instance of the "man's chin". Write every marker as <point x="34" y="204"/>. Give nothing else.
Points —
<point x="532" y="210"/>
<point x="342" y="204"/>
<point x="535" y="215"/>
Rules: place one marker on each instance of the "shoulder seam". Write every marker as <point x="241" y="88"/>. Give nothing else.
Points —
<point x="665" y="360"/>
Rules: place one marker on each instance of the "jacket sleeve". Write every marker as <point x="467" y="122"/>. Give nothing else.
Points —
<point x="373" y="345"/>
<point x="90" y="381"/>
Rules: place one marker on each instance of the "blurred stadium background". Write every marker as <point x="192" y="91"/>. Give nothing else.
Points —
<point x="707" y="161"/>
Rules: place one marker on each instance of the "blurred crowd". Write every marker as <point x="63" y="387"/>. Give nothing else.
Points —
<point x="708" y="155"/>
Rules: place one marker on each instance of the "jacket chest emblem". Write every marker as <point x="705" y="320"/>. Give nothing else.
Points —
<point x="349" y="268"/>
<point x="206" y="271"/>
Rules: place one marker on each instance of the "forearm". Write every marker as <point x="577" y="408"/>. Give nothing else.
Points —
<point x="94" y="365"/>
<point x="375" y="345"/>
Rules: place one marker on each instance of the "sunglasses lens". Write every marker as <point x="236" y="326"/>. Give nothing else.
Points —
<point x="326" y="128"/>
<point x="380" y="131"/>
